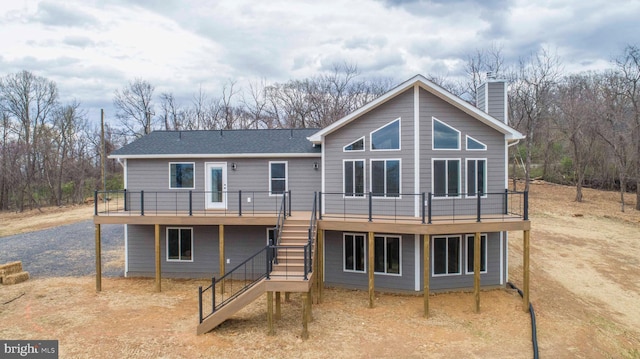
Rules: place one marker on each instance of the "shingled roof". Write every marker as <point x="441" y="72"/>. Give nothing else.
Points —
<point x="231" y="143"/>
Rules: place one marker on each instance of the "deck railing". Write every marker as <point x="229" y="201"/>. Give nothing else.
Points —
<point x="425" y="208"/>
<point x="189" y="202"/>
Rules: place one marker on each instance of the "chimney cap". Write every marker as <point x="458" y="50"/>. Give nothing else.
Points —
<point x="491" y="75"/>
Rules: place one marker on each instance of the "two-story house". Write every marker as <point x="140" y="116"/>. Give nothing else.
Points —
<point x="408" y="193"/>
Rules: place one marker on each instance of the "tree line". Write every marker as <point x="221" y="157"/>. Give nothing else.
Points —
<point x="581" y="129"/>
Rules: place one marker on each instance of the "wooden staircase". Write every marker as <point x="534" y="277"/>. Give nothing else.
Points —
<point x="287" y="274"/>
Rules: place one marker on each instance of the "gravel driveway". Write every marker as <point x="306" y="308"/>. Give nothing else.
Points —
<point x="65" y="251"/>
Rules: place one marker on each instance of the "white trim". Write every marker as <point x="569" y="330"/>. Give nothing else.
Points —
<point x="486" y="253"/>
<point x="125" y="174"/>
<point x="344" y="260"/>
<point x="166" y="243"/>
<point x="466" y="177"/>
<point x="506" y="166"/>
<point x="433" y="189"/>
<point x="364" y="143"/>
<point x="506" y="256"/>
<point x="323" y="177"/>
<point x="416" y="150"/>
<point x="502" y="258"/>
<point x="486" y="97"/>
<point x="286" y="177"/>
<point x="385" y="236"/>
<point x="218" y="155"/>
<point x="381" y="127"/>
<point x="433" y="136"/>
<point x="126" y="250"/>
<point x="207" y="186"/>
<point x="416" y="262"/>
<point x="433" y="243"/>
<point x="385" y="177"/>
<point x="364" y="177"/>
<point x="432" y="88"/>
<point x="506" y="104"/>
<point x="466" y="144"/>
<point x="184" y="163"/>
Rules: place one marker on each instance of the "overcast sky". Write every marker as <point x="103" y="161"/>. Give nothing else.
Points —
<point x="90" y="48"/>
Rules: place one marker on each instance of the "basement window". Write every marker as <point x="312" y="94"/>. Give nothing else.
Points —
<point x="179" y="244"/>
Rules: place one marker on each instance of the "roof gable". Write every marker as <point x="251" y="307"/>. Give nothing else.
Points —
<point x="432" y="88"/>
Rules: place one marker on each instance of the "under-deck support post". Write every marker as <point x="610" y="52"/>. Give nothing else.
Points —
<point x="425" y="273"/>
<point x="287" y="297"/>
<point x="525" y="272"/>
<point x="222" y="256"/>
<point x="306" y="304"/>
<point x="320" y="272"/>
<point x="270" y="313"/>
<point x="98" y="259"/>
<point x="371" y="269"/>
<point x="158" y="267"/>
<point x="278" y="306"/>
<point x="476" y="271"/>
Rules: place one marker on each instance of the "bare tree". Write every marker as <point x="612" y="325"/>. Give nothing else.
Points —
<point x="479" y="64"/>
<point x="134" y="108"/>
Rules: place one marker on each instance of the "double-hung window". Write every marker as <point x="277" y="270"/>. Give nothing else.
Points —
<point x="179" y="244"/>
<point x="385" y="178"/>
<point x="354" y="252"/>
<point x="447" y="255"/>
<point x="387" y="254"/>
<point x="354" y="178"/>
<point x="277" y="178"/>
<point x="446" y="177"/>
<point x="476" y="177"/>
<point x="471" y="251"/>
<point x="181" y="175"/>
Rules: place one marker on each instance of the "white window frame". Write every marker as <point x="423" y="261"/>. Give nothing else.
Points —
<point x="467" y="249"/>
<point x="364" y="178"/>
<point x="286" y="178"/>
<point x="381" y="127"/>
<point x="193" y="164"/>
<point x="399" y="196"/>
<point x="433" y="253"/>
<point x="433" y="136"/>
<point x="433" y="178"/>
<point x="466" y="177"/>
<point x="364" y="144"/>
<point x="466" y="143"/>
<point x="344" y="252"/>
<point x="179" y="243"/>
<point x="385" y="236"/>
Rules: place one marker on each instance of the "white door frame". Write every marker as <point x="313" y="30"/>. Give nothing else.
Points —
<point x="209" y="204"/>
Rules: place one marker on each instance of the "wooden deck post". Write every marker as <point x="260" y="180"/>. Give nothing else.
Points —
<point x="278" y="306"/>
<point x="270" y="313"/>
<point x="306" y="303"/>
<point x="221" y="254"/>
<point x="525" y="272"/>
<point x="371" y="269"/>
<point x="476" y="271"/>
<point x="158" y="267"/>
<point x="287" y="297"/>
<point x="98" y="259"/>
<point x="425" y="273"/>
<point x="320" y="274"/>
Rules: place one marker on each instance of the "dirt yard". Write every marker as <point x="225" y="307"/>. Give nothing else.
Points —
<point x="584" y="282"/>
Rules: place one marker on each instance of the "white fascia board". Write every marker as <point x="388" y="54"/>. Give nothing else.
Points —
<point x="220" y="155"/>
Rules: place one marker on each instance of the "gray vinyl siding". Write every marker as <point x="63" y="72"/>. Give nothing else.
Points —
<point x="398" y="107"/>
<point x="464" y="280"/>
<point x="496" y="98"/>
<point x="251" y="177"/>
<point x="481" y="102"/>
<point x="432" y="106"/>
<point x="240" y="243"/>
<point x="336" y="276"/>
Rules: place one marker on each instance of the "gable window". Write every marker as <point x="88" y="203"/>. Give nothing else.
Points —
<point x="354" y="253"/>
<point x="181" y="175"/>
<point x="475" y="145"/>
<point x="446" y="255"/>
<point x="357" y="145"/>
<point x="445" y="137"/>
<point x="471" y="251"/>
<point x="387" y="254"/>
<point x="385" y="178"/>
<point x="446" y="178"/>
<point x="387" y="137"/>
<point x="179" y="244"/>
<point x="476" y="177"/>
<point x="354" y="178"/>
<point x="277" y="178"/>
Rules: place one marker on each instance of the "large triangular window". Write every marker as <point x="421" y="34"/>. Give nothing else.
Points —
<point x="387" y="137"/>
<point x="357" y="145"/>
<point x="445" y="137"/>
